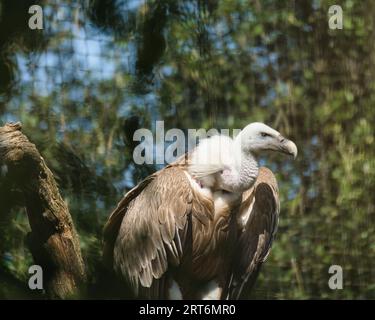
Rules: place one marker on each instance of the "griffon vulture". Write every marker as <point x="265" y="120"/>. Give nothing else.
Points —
<point x="201" y="227"/>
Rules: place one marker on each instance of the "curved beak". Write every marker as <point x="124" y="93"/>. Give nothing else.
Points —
<point x="288" y="147"/>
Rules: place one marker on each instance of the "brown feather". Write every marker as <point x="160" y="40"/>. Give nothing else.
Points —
<point x="164" y="228"/>
<point x="255" y="239"/>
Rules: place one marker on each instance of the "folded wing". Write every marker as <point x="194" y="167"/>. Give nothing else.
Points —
<point x="148" y="231"/>
<point x="259" y="214"/>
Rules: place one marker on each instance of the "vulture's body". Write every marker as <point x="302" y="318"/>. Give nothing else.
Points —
<point x="179" y="234"/>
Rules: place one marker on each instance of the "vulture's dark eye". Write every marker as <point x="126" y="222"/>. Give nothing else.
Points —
<point x="263" y="134"/>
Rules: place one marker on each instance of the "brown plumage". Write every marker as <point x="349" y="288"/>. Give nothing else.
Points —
<point x="201" y="227"/>
<point x="165" y="229"/>
<point x="254" y="242"/>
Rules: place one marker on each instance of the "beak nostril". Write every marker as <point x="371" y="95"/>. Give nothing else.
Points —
<point x="282" y="139"/>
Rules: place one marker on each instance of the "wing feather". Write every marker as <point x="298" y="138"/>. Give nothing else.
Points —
<point x="146" y="234"/>
<point x="256" y="236"/>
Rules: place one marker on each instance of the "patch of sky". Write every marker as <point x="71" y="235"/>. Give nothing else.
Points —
<point x="262" y="57"/>
<point x="307" y="28"/>
<point x="80" y="124"/>
<point x="42" y="85"/>
<point x="22" y="63"/>
<point x="282" y="88"/>
<point x="125" y="108"/>
<point x="99" y="169"/>
<point x="273" y="56"/>
<point x="293" y="190"/>
<point x="129" y="57"/>
<point x="231" y="45"/>
<point x="43" y="125"/>
<point x="167" y="71"/>
<point x="268" y="98"/>
<point x="151" y="100"/>
<point x="127" y="181"/>
<point x="99" y="204"/>
<point x="62" y="12"/>
<point x="310" y="167"/>
<point x="8" y="117"/>
<point x="316" y="4"/>
<point x="48" y="11"/>
<point x="221" y="28"/>
<point x="186" y="46"/>
<point x="93" y="47"/>
<point x="131" y="4"/>
<point x="314" y="140"/>
<point x="49" y="59"/>
<point x="76" y="94"/>
<point x="92" y="32"/>
<point x="312" y="192"/>
<point x="89" y="55"/>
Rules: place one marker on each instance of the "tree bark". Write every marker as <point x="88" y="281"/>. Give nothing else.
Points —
<point x="53" y="240"/>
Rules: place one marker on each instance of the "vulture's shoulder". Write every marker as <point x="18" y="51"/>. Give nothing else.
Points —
<point x="266" y="176"/>
<point x="158" y="182"/>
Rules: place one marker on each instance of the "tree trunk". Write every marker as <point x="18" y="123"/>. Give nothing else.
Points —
<point x="53" y="240"/>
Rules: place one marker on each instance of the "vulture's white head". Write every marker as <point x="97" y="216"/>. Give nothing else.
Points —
<point x="220" y="163"/>
<point x="257" y="137"/>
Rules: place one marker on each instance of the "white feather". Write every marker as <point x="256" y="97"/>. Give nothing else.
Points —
<point x="211" y="156"/>
<point x="174" y="291"/>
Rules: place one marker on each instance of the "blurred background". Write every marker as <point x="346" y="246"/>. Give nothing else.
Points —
<point x="101" y="69"/>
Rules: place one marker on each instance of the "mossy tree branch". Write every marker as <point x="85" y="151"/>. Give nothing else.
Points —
<point x="53" y="240"/>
